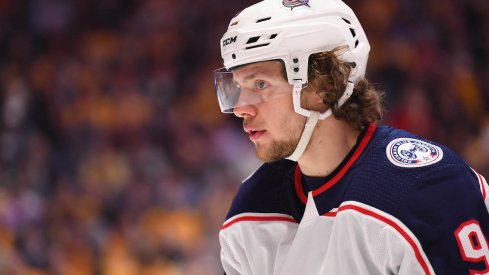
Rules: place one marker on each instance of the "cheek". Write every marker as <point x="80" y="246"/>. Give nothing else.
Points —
<point x="291" y="125"/>
<point x="284" y="122"/>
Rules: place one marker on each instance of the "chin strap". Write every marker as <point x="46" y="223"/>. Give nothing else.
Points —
<point x="311" y="122"/>
<point x="312" y="117"/>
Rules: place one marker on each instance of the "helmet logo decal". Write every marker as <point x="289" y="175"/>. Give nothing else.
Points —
<point x="229" y="40"/>
<point x="295" y="3"/>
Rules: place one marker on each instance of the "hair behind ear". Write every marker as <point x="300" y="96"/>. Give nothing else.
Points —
<point x="328" y="76"/>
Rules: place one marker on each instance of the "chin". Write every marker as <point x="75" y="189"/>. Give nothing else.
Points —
<point x="267" y="158"/>
<point x="275" y="152"/>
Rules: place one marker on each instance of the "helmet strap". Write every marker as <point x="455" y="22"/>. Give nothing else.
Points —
<point x="312" y="116"/>
<point x="311" y="122"/>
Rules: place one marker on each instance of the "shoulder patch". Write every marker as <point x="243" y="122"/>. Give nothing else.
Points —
<point x="411" y="153"/>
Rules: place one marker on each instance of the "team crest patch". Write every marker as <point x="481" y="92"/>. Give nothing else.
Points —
<point x="409" y="152"/>
<point x="295" y="3"/>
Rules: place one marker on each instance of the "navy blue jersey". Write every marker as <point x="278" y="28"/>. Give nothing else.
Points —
<point x="397" y="204"/>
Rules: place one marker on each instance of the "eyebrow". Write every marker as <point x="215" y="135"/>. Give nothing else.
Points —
<point x="251" y="76"/>
<point x="255" y="75"/>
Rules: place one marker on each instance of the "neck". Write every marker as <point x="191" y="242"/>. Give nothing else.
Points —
<point x="329" y="145"/>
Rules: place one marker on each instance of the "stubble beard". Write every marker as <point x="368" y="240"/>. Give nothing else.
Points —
<point x="280" y="149"/>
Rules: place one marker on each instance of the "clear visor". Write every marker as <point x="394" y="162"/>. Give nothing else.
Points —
<point x="230" y="95"/>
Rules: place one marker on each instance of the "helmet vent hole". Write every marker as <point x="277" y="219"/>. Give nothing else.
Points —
<point x="234" y="23"/>
<point x="233" y="56"/>
<point x="356" y="43"/>
<point x="273" y="36"/>
<point x="348" y="22"/>
<point x="257" y="46"/>
<point x="263" y="19"/>
<point x="352" y="32"/>
<point x="253" y="39"/>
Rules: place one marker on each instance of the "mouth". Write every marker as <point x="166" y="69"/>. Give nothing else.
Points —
<point x="255" y="134"/>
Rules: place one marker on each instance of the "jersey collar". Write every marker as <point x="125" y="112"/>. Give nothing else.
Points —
<point x="349" y="161"/>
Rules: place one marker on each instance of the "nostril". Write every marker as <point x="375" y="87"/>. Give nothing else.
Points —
<point x="244" y="111"/>
<point x="238" y="111"/>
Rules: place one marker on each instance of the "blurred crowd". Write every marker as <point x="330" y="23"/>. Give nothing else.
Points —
<point x="114" y="157"/>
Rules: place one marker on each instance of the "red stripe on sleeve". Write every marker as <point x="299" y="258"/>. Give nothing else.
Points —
<point x="258" y="219"/>
<point x="394" y="225"/>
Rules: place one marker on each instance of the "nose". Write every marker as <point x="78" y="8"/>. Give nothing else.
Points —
<point x="246" y="103"/>
<point x="245" y="111"/>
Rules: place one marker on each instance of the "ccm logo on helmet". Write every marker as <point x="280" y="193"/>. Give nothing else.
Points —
<point x="228" y="41"/>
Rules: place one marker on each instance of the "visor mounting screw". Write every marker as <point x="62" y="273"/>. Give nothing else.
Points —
<point x="233" y="56"/>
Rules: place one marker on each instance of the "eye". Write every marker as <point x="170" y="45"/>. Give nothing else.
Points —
<point x="260" y="84"/>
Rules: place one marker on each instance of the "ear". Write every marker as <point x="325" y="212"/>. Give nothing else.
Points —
<point x="313" y="100"/>
<point x="318" y="97"/>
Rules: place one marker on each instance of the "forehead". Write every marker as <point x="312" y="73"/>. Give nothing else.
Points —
<point x="265" y="68"/>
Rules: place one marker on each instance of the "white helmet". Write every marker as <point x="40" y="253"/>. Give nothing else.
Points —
<point x="291" y="30"/>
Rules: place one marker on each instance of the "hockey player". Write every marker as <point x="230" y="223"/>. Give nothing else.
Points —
<point x="337" y="193"/>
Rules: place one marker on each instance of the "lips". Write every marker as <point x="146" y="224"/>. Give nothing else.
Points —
<point x="254" y="133"/>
